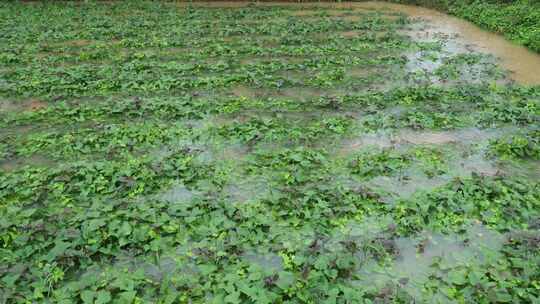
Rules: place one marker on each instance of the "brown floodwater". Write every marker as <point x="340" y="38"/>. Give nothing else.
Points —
<point x="523" y="64"/>
<point x="520" y="61"/>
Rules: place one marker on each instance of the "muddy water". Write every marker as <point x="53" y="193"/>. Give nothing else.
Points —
<point x="412" y="137"/>
<point x="523" y="63"/>
<point x="178" y="194"/>
<point x="35" y="161"/>
<point x="22" y="105"/>
<point x="418" y="259"/>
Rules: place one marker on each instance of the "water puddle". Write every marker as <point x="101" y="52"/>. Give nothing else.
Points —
<point x="351" y="18"/>
<point x="434" y="138"/>
<point x="232" y="151"/>
<point x="368" y="140"/>
<point x="429" y="254"/>
<point x="244" y="91"/>
<point x="466" y="159"/>
<point x="417" y="258"/>
<point x="25" y="105"/>
<point x="365" y="229"/>
<point x="156" y="271"/>
<point x="411" y="137"/>
<point x="462" y="35"/>
<point x="268" y="261"/>
<point x="456" y="61"/>
<point x="33" y="161"/>
<point x="526" y="169"/>
<point x="352" y="34"/>
<point x="253" y="60"/>
<point x="293" y="76"/>
<point x="359" y="72"/>
<point x="392" y="186"/>
<point x="178" y="194"/>
<point x="415" y="180"/>
<point x="477" y="164"/>
<point x="301" y="94"/>
<point x="417" y="61"/>
<point x="249" y="190"/>
<point x="77" y="42"/>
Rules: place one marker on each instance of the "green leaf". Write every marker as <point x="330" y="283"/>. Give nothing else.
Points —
<point x="207" y="269"/>
<point x="103" y="297"/>
<point x="233" y="297"/>
<point x="458" y="277"/>
<point x="285" y="280"/>
<point x="125" y="229"/>
<point x="503" y="297"/>
<point x="87" y="296"/>
<point x="58" y="250"/>
<point x="127" y="297"/>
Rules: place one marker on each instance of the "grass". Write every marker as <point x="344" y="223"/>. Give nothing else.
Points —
<point x="161" y="153"/>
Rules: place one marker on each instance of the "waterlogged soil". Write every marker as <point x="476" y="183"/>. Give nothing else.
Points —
<point x="232" y="152"/>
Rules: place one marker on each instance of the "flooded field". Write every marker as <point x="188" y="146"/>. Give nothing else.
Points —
<point x="231" y="152"/>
